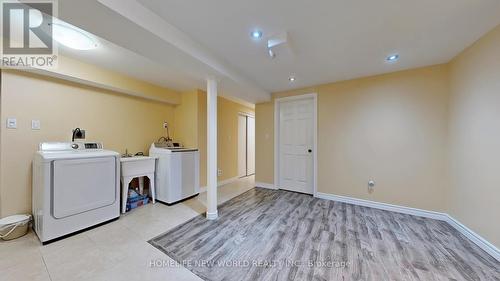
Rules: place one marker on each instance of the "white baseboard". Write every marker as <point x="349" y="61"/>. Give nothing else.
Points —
<point x="220" y="183"/>
<point x="384" y="206"/>
<point x="265" y="185"/>
<point x="212" y="216"/>
<point x="474" y="237"/>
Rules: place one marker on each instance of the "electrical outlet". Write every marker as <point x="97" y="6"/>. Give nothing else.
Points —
<point x="11" y="123"/>
<point x="219" y="172"/>
<point x="371" y="186"/>
<point x="35" y="124"/>
<point x="165" y="125"/>
<point x="80" y="134"/>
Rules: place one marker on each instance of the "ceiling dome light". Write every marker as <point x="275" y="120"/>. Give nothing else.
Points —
<point x="256" y="34"/>
<point x="392" y="58"/>
<point x="291" y="79"/>
<point x="73" y="37"/>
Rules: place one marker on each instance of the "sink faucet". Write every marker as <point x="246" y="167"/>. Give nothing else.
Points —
<point x="126" y="154"/>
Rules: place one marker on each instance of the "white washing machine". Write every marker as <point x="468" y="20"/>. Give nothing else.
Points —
<point x="177" y="173"/>
<point x="75" y="186"/>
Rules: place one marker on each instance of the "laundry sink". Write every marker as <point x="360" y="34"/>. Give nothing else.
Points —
<point x="137" y="166"/>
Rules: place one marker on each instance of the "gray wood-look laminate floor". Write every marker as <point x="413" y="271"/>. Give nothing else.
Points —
<point x="279" y="235"/>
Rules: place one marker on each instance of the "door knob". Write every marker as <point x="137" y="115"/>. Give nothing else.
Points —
<point x="309" y="150"/>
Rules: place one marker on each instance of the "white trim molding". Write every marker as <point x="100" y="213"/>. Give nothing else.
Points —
<point x="384" y="206"/>
<point x="467" y="232"/>
<point x="212" y="216"/>
<point x="475" y="238"/>
<point x="265" y="185"/>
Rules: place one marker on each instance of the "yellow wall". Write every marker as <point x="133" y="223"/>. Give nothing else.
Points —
<point x="227" y="142"/>
<point x="227" y="116"/>
<point x="185" y="126"/>
<point x="474" y="195"/>
<point x="391" y="128"/>
<point x="81" y="72"/>
<point x="119" y="121"/>
<point x="264" y="142"/>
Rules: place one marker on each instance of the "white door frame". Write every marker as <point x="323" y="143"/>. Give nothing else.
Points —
<point x="246" y="115"/>
<point x="277" y="102"/>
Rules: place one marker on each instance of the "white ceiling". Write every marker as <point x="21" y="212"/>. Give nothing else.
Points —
<point x="331" y="40"/>
<point x="119" y="59"/>
<point x="128" y="48"/>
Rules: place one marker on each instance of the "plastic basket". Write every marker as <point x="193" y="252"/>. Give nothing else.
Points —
<point x="13" y="227"/>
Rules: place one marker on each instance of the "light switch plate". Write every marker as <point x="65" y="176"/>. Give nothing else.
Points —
<point x="12" y="123"/>
<point x="35" y="124"/>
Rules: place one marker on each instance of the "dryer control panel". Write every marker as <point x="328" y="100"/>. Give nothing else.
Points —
<point x="69" y="146"/>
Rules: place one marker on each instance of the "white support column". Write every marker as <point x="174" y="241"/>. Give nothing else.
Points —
<point x="212" y="149"/>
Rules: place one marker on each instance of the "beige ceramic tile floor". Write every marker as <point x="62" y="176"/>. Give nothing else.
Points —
<point x="114" y="251"/>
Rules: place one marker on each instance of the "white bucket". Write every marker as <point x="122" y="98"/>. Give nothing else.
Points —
<point x="14" y="226"/>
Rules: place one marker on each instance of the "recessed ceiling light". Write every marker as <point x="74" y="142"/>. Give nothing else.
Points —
<point x="392" y="58"/>
<point x="291" y="79"/>
<point x="256" y="34"/>
<point x="72" y="37"/>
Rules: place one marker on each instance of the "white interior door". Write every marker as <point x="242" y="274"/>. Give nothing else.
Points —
<point x="242" y="146"/>
<point x="296" y="129"/>
<point x="250" y="145"/>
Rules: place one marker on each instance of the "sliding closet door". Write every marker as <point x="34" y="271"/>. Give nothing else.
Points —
<point x="250" y="145"/>
<point x="242" y="146"/>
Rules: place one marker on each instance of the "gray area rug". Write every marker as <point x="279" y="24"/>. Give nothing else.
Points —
<point x="278" y="235"/>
